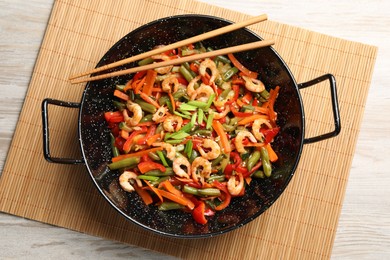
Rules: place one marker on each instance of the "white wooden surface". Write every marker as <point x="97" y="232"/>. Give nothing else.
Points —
<point x="364" y="227"/>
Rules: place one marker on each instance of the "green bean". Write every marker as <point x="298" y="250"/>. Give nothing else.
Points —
<point x="228" y="128"/>
<point x="209" y="192"/>
<point x="258" y="174"/>
<point x="267" y="168"/>
<point x="248" y="107"/>
<point x="233" y="121"/>
<point x="154" y="156"/>
<point x="158" y="173"/>
<point x="179" y="93"/>
<point x="123" y="126"/>
<point x="146" y="106"/>
<point x="148" y="177"/>
<point x="253" y="159"/>
<point x="187" y="66"/>
<point x="115" y="150"/>
<point x="125" y="163"/>
<point x="223" y="59"/>
<point x="120" y="87"/>
<point x="163" y="100"/>
<point x="145" y="61"/>
<point x="186" y="74"/>
<point x="147" y="118"/>
<point x="162" y="158"/>
<point x="229" y="73"/>
<point x="194" y="154"/>
<point x="119" y="105"/>
<point x="169" y="206"/>
<point x="190" y="190"/>
<point x="225" y="93"/>
<point x="216" y="161"/>
<point x="264" y="94"/>
<point x="202" y="132"/>
<point x="219" y="178"/>
<point x="159" y="129"/>
<point x="161" y="179"/>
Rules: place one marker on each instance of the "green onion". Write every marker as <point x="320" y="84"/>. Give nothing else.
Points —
<point x="148" y="177"/>
<point x="174" y="141"/>
<point x="197" y="104"/>
<point x="209" y="121"/>
<point x="193" y="118"/>
<point x="181" y="115"/>
<point x="209" y="101"/>
<point x="200" y="116"/>
<point x="188" y="148"/>
<point x="162" y="158"/>
<point x="177" y="135"/>
<point x="187" y="107"/>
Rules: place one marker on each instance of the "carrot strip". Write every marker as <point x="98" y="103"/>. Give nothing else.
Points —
<point x="145" y="196"/>
<point x="121" y="95"/>
<point x="152" y="139"/>
<point x="149" y="82"/>
<point x="172" y="101"/>
<point x="149" y="99"/>
<point x="136" y="154"/>
<point x="129" y="85"/>
<point x="254" y="144"/>
<point x="273" y="157"/>
<point x="178" y="199"/>
<point x="169" y="187"/>
<point x="249" y="119"/>
<point x="217" y="126"/>
<point x="157" y="191"/>
<point x="271" y="101"/>
<point x="241" y="67"/>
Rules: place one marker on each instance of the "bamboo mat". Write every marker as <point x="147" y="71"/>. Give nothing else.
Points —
<point x="300" y="225"/>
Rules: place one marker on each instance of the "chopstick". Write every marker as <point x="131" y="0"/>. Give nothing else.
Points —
<point x="194" y="39"/>
<point x="234" y="49"/>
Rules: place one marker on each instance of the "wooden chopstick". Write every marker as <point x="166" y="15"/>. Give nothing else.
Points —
<point x="234" y="49"/>
<point x="175" y="45"/>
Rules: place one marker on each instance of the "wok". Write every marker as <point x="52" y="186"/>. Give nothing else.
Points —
<point x="260" y="195"/>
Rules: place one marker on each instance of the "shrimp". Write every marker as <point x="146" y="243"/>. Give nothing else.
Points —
<point x="202" y="93"/>
<point x="162" y="70"/>
<point x="181" y="161"/>
<point x="203" y="163"/>
<point x="256" y="128"/>
<point x="170" y="83"/>
<point x="253" y="85"/>
<point x="126" y="180"/>
<point x="170" y="120"/>
<point x="234" y="188"/>
<point x="208" y="64"/>
<point x="220" y="115"/>
<point x="215" y="149"/>
<point x="171" y="151"/>
<point x="190" y="87"/>
<point x="240" y="138"/>
<point x="137" y="114"/>
<point x="160" y="113"/>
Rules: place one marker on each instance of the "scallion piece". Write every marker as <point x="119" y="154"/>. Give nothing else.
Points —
<point x="200" y="116"/>
<point x="181" y="115"/>
<point x="209" y="121"/>
<point x="162" y="158"/>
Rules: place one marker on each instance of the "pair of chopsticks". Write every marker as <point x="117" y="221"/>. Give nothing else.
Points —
<point x="244" y="47"/>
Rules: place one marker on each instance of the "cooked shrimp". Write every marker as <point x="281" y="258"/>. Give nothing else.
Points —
<point x="256" y="128"/>
<point x="178" y="163"/>
<point x="127" y="179"/>
<point x="213" y="153"/>
<point x="170" y="84"/>
<point x="160" y="113"/>
<point x="171" y="151"/>
<point x="253" y="85"/>
<point x="203" y="163"/>
<point x="170" y="121"/>
<point x="202" y="93"/>
<point x="208" y="64"/>
<point x="137" y="114"/>
<point x="235" y="188"/>
<point x="240" y="138"/>
<point x="222" y="114"/>
<point x="162" y="70"/>
<point x="190" y="87"/>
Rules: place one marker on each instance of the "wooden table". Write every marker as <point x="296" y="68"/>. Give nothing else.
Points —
<point x="364" y="226"/>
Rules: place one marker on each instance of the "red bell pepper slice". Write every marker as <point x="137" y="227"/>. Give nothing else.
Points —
<point x="241" y="67"/>
<point x="239" y="114"/>
<point x="270" y="133"/>
<point x="114" y="117"/>
<point x="230" y="167"/>
<point x="148" y="166"/>
<point x="198" y="213"/>
<point x="225" y="195"/>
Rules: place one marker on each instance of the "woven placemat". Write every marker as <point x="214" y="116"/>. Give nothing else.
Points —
<point x="301" y="224"/>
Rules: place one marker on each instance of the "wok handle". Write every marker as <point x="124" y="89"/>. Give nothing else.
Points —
<point x="335" y="107"/>
<point x="45" y="124"/>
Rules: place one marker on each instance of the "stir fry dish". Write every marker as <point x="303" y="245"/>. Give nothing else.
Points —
<point x="192" y="137"/>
